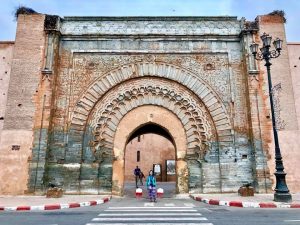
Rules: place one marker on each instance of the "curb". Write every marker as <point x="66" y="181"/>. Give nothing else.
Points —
<point x="245" y="204"/>
<point x="55" y="206"/>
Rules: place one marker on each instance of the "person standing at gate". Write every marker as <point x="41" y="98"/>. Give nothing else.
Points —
<point x="142" y="176"/>
<point x="151" y="186"/>
<point x="137" y="173"/>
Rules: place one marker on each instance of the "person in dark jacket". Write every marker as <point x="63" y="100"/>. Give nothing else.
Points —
<point x="137" y="173"/>
<point x="151" y="186"/>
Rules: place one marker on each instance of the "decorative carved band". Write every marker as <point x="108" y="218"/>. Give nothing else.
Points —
<point x="202" y="89"/>
<point x="108" y="112"/>
<point x="211" y="68"/>
<point x="205" y="100"/>
<point x="229" y="26"/>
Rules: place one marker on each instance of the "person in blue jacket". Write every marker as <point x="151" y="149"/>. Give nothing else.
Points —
<point x="151" y="186"/>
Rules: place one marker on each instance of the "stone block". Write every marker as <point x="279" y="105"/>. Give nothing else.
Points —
<point x="246" y="191"/>
<point x="54" y="192"/>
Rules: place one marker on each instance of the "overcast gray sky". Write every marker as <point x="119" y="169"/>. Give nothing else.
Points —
<point x="240" y="8"/>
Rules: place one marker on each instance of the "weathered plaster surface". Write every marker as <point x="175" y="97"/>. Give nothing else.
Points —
<point x="294" y="59"/>
<point x="18" y="128"/>
<point x="14" y="164"/>
<point x="150" y="25"/>
<point x="281" y="74"/>
<point x="6" y="55"/>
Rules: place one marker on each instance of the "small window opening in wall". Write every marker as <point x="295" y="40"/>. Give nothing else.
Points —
<point x="138" y="156"/>
<point x="295" y="65"/>
<point x="244" y="156"/>
<point x="15" y="147"/>
<point x="1" y="118"/>
<point x="19" y="105"/>
<point x="139" y="138"/>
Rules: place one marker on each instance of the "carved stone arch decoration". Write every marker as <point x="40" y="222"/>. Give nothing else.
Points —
<point x="191" y="81"/>
<point x="202" y="112"/>
<point x="107" y="113"/>
<point x="103" y="123"/>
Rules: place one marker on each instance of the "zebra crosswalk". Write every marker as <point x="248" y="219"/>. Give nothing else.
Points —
<point x="150" y="214"/>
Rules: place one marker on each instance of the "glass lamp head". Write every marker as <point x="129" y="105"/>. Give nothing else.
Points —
<point x="278" y="44"/>
<point x="254" y="48"/>
<point x="266" y="39"/>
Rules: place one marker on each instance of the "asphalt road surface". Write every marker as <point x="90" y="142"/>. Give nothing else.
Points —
<point x="166" y="211"/>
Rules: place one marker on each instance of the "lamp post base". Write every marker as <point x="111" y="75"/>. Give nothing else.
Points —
<point x="282" y="197"/>
<point x="282" y="193"/>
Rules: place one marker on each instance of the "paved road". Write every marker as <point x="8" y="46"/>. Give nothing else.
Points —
<point x="166" y="211"/>
<point x="169" y="188"/>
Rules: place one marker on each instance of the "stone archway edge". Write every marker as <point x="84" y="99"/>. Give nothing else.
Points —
<point x="161" y="117"/>
<point x="55" y="206"/>
<point x="189" y="80"/>
<point x="244" y="204"/>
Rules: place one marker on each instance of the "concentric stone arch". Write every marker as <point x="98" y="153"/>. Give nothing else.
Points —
<point x="191" y="81"/>
<point x="95" y="94"/>
<point x="103" y="121"/>
<point x="107" y="112"/>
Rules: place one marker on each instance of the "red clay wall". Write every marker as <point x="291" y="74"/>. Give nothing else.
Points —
<point x="21" y="104"/>
<point x="281" y="74"/>
<point x="6" y="54"/>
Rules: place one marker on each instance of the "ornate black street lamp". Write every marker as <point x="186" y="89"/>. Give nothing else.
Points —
<point x="282" y="193"/>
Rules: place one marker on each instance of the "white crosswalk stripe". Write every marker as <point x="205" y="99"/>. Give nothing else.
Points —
<point x="151" y="207"/>
<point x="152" y="210"/>
<point x="169" y="204"/>
<point x="189" y="204"/>
<point x="149" y="204"/>
<point x="148" y="223"/>
<point x="148" y="218"/>
<point x="151" y="214"/>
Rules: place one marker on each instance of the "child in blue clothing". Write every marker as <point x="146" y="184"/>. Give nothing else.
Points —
<point x="151" y="186"/>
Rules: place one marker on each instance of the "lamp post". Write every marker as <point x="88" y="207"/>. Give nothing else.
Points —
<point x="282" y="193"/>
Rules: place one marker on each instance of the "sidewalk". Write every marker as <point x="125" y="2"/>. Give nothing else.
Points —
<point x="256" y="201"/>
<point x="18" y="203"/>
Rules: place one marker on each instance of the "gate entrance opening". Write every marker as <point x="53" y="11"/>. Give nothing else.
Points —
<point x="151" y="147"/>
<point x="130" y="124"/>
